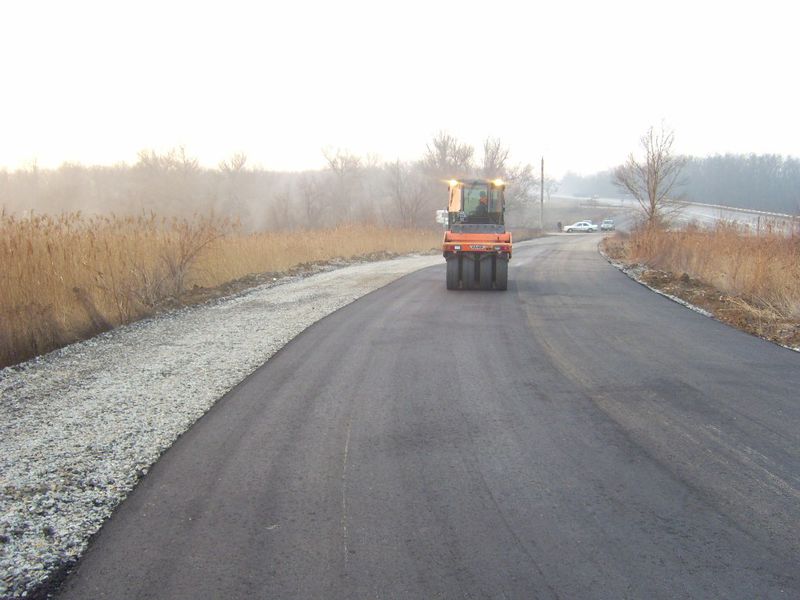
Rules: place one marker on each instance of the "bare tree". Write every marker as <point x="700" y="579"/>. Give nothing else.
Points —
<point x="169" y="183"/>
<point x="346" y="168"/>
<point x="522" y="185"/>
<point x="280" y="210"/>
<point x="407" y="192"/>
<point x="188" y="164"/>
<point x="550" y="186"/>
<point x="652" y="180"/>
<point x="234" y="173"/>
<point x="372" y="161"/>
<point x="341" y="162"/>
<point x="495" y="156"/>
<point x="235" y="164"/>
<point x="446" y="157"/>
<point x="312" y="200"/>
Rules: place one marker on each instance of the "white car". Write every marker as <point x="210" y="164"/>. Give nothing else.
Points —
<point x="584" y="226"/>
<point x="607" y="225"/>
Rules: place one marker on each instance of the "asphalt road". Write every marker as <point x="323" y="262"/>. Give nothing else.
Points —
<point x="577" y="436"/>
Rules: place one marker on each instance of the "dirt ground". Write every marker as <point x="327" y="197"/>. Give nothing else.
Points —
<point x="743" y="313"/>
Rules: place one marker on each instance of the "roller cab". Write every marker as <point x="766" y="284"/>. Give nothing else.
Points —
<point x="476" y="245"/>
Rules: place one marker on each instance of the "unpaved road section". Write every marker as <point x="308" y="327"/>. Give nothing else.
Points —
<point x="577" y="436"/>
<point x="80" y="426"/>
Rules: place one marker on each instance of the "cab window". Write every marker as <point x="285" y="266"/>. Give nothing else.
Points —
<point x="472" y="197"/>
<point x="495" y="200"/>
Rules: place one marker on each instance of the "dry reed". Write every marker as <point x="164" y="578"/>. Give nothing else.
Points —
<point x="66" y="278"/>
<point x="761" y="267"/>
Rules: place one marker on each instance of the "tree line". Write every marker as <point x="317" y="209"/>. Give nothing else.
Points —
<point x="768" y="182"/>
<point x="349" y="189"/>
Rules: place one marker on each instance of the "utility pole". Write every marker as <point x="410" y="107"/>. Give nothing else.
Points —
<point x="541" y="198"/>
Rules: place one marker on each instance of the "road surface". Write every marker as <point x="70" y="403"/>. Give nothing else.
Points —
<point x="577" y="436"/>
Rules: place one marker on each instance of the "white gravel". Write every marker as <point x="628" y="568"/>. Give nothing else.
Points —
<point x="80" y="426"/>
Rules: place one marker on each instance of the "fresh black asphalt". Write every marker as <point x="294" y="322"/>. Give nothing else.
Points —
<point x="577" y="436"/>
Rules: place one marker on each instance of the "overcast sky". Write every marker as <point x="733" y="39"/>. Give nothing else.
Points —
<point x="577" y="82"/>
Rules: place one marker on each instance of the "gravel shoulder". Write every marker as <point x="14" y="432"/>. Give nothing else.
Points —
<point x="80" y="426"/>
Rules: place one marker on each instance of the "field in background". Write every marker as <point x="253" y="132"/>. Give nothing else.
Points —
<point x="745" y="278"/>
<point x="68" y="278"/>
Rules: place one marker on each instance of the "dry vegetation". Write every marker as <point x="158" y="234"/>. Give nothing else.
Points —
<point x="750" y="280"/>
<point x="66" y="278"/>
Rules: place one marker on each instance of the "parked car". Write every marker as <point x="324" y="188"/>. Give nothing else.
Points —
<point x="607" y="225"/>
<point x="584" y="226"/>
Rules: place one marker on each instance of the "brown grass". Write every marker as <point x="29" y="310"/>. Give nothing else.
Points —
<point x="762" y="269"/>
<point x="65" y="279"/>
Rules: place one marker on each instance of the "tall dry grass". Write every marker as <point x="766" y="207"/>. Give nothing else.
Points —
<point x="762" y="267"/>
<point x="235" y="256"/>
<point x="66" y="278"/>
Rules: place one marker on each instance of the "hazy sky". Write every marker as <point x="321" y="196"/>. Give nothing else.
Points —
<point x="577" y="82"/>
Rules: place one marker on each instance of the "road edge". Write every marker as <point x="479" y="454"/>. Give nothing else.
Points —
<point x="634" y="273"/>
